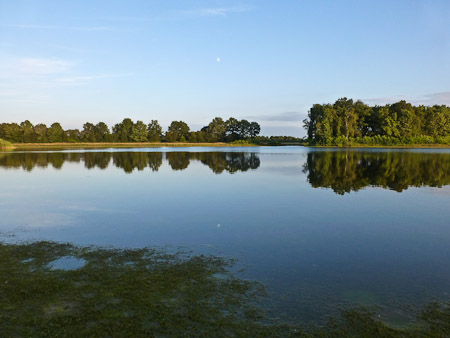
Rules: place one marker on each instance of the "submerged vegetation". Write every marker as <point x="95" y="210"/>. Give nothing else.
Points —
<point x="120" y="293"/>
<point x="346" y="171"/>
<point x="136" y="292"/>
<point x="349" y="123"/>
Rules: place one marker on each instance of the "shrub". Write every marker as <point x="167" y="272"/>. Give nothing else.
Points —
<point x="4" y="143"/>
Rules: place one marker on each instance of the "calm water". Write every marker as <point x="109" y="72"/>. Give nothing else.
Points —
<point x="321" y="228"/>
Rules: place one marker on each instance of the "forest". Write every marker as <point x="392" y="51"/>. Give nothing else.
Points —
<point x="351" y="123"/>
<point x="217" y="130"/>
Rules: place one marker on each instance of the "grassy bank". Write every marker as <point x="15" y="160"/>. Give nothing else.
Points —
<point x="404" y="146"/>
<point x="51" y="289"/>
<point x="129" y="145"/>
<point x="378" y="141"/>
<point x="5" y="144"/>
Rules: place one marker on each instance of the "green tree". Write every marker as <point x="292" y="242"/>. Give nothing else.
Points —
<point x="178" y="132"/>
<point x="346" y="117"/>
<point x="154" y="131"/>
<point x="254" y="129"/>
<point x="11" y="132"/>
<point x="232" y="129"/>
<point x="197" y="136"/>
<point x="41" y="133"/>
<point x="55" y="133"/>
<point x="102" y="133"/>
<point x="244" y="129"/>
<point x="28" y="133"/>
<point x="139" y="132"/>
<point x="72" y="135"/>
<point x="88" y="133"/>
<point x="216" y="130"/>
<point x="123" y="130"/>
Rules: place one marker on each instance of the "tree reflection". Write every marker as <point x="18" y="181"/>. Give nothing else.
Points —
<point x="178" y="161"/>
<point x="346" y="171"/>
<point x="231" y="162"/>
<point x="218" y="162"/>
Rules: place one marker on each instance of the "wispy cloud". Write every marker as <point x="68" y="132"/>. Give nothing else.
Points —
<point x="128" y="18"/>
<point x="69" y="28"/>
<point x="39" y="66"/>
<point x="438" y="98"/>
<point x="218" y="11"/>
<point x="32" y="80"/>
<point x="280" y="117"/>
<point x="86" y="78"/>
<point x="383" y="100"/>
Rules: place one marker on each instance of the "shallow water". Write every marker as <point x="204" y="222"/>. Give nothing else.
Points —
<point x="322" y="228"/>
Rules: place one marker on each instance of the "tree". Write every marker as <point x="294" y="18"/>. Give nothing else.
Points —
<point x="72" y="135"/>
<point x="347" y="118"/>
<point x="404" y="114"/>
<point x="41" y="133"/>
<point x="102" y="132"/>
<point x="88" y="133"/>
<point x="178" y="132"/>
<point x="216" y="130"/>
<point x="11" y="132"/>
<point x="139" y="132"/>
<point x="55" y="133"/>
<point x="254" y="129"/>
<point x="388" y="121"/>
<point x="232" y="132"/>
<point x="314" y="115"/>
<point x="28" y="133"/>
<point x="154" y="131"/>
<point x="123" y="130"/>
<point x="244" y="129"/>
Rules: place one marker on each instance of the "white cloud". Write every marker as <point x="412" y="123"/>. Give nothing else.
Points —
<point x="218" y="11"/>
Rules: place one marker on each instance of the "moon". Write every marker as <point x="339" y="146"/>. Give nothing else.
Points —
<point x="218" y="59"/>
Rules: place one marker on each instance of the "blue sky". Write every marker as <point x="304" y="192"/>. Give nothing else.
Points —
<point x="267" y="61"/>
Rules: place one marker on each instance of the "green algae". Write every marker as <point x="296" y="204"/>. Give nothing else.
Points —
<point x="152" y="293"/>
<point x="121" y="292"/>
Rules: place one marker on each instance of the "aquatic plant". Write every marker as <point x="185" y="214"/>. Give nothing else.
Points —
<point x="122" y="292"/>
<point x="113" y="292"/>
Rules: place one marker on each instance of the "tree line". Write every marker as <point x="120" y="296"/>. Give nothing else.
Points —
<point x="218" y="130"/>
<point x="347" y="121"/>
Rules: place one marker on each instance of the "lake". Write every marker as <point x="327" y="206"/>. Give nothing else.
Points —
<point x="321" y="228"/>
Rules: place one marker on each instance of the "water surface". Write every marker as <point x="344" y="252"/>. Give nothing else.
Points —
<point x="322" y="228"/>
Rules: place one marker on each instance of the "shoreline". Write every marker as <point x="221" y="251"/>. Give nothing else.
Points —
<point x="126" y="145"/>
<point x="404" y="146"/>
<point x="204" y="144"/>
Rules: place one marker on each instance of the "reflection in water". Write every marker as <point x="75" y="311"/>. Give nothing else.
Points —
<point x="129" y="161"/>
<point x="346" y="171"/>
